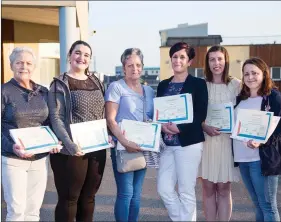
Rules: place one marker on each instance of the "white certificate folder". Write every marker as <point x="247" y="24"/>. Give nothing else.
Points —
<point x="254" y="125"/>
<point x="177" y="109"/>
<point x="90" y="136"/>
<point x="35" y="140"/>
<point x="146" y="135"/>
<point x="221" y="116"/>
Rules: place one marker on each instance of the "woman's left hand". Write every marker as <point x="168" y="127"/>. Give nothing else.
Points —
<point x="56" y="149"/>
<point x="110" y="140"/>
<point x="173" y="127"/>
<point x="252" y="144"/>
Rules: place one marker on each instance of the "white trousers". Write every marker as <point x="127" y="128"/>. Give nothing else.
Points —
<point x="179" y="165"/>
<point x="24" y="184"/>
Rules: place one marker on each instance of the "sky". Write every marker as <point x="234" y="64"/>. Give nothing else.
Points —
<point x="125" y="24"/>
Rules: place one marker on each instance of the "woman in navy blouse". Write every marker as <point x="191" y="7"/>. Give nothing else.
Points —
<point x="184" y="142"/>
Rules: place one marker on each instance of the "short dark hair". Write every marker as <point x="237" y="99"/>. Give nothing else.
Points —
<point x="190" y="52"/>
<point x="79" y="42"/>
<point x="207" y="71"/>
<point x="267" y="83"/>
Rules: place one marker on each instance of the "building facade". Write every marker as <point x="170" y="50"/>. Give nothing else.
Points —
<point x="149" y="76"/>
<point x="147" y="71"/>
<point x="195" y="35"/>
<point x="48" y="27"/>
<point x="270" y="53"/>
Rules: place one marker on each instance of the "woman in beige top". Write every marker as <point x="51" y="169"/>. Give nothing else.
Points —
<point x="217" y="168"/>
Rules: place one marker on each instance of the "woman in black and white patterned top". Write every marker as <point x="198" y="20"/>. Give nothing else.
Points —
<point x="76" y="96"/>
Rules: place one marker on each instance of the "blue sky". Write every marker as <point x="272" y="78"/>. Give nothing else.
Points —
<point x="123" y="24"/>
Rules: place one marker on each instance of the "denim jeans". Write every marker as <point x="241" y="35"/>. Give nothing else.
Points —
<point x="262" y="190"/>
<point x="129" y="188"/>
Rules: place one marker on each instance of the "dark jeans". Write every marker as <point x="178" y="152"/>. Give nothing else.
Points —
<point x="262" y="190"/>
<point x="129" y="188"/>
<point x="77" y="180"/>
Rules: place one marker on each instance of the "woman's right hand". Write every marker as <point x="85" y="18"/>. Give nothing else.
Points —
<point x="79" y="153"/>
<point x="19" y="151"/>
<point x="210" y="130"/>
<point x="132" y="147"/>
<point x="165" y="129"/>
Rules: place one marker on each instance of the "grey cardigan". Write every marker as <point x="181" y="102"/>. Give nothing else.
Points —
<point x="60" y="108"/>
<point x="21" y="108"/>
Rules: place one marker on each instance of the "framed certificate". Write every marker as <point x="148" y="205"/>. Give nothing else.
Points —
<point x="146" y="135"/>
<point x="177" y="109"/>
<point x="90" y="136"/>
<point x="35" y="140"/>
<point x="254" y="125"/>
<point x="221" y="116"/>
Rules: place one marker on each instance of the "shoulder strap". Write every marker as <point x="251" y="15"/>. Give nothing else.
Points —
<point x="144" y="104"/>
<point x="238" y="100"/>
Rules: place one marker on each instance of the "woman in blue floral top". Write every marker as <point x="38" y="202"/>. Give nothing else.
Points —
<point x="180" y="159"/>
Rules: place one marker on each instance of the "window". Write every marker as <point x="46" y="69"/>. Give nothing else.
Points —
<point x="152" y="71"/>
<point x="276" y="73"/>
<point x="156" y="72"/>
<point x="146" y="72"/>
<point x="191" y="71"/>
<point x="49" y="68"/>
<point x="199" y="72"/>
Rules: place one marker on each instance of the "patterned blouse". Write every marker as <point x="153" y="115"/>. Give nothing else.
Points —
<point x="87" y="100"/>
<point x="173" y="89"/>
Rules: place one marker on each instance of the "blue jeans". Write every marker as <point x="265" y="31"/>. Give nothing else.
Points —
<point x="262" y="189"/>
<point x="129" y="188"/>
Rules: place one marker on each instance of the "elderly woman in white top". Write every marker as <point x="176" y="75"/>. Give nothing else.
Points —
<point x="24" y="104"/>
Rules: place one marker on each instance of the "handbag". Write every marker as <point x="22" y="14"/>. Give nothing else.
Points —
<point x="128" y="162"/>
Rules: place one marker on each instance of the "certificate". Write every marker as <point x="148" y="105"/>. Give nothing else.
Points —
<point x="254" y="125"/>
<point x="221" y="116"/>
<point x="35" y="140"/>
<point x="177" y="109"/>
<point x="146" y="135"/>
<point x="90" y="136"/>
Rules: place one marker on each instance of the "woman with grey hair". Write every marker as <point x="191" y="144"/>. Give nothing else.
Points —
<point x="125" y="99"/>
<point x="23" y="104"/>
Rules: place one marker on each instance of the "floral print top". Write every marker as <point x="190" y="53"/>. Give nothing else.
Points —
<point x="173" y="89"/>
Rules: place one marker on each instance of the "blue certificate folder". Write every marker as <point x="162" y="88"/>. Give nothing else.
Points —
<point x="221" y="116"/>
<point x="152" y="146"/>
<point x="90" y="136"/>
<point x="228" y="130"/>
<point x="174" y="119"/>
<point x="105" y="143"/>
<point x="145" y="134"/>
<point x="20" y="135"/>
<point x="249" y="136"/>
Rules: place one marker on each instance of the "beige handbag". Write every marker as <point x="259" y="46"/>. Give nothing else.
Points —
<point x="127" y="162"/>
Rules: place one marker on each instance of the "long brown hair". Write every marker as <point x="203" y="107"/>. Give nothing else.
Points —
<point x="267" y="83"/>
<point x="207" y="71"/>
